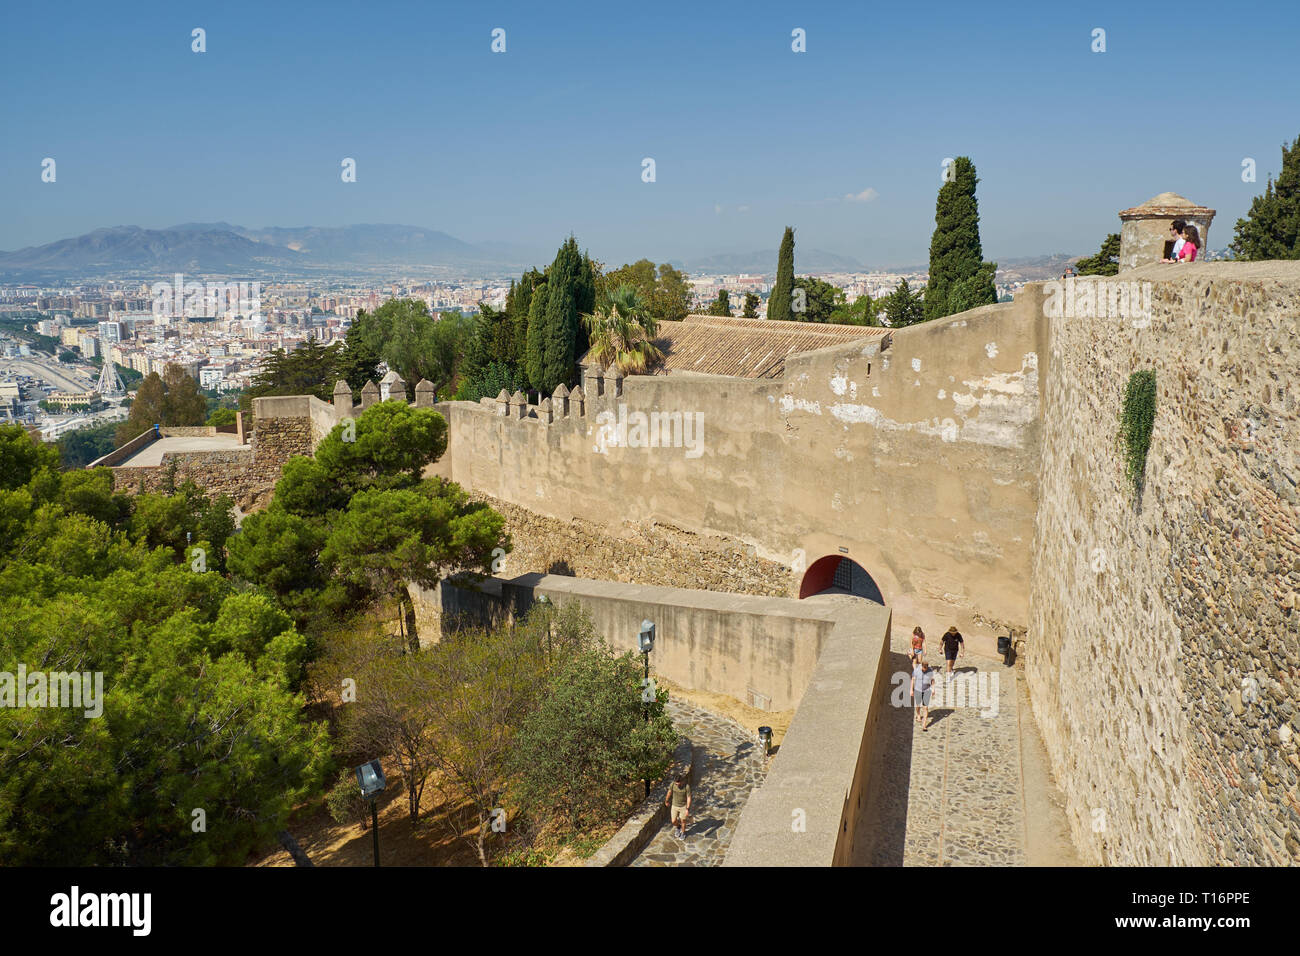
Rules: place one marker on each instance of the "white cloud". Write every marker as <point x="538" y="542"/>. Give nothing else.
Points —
<point x="866" y="195"/>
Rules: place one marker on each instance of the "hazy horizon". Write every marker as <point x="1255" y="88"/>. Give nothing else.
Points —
<point x="844" y="142"/>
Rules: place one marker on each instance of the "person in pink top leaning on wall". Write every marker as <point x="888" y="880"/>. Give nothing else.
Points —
<point x="1191" y="244"/>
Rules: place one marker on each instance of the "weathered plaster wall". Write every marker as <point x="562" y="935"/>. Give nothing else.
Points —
<point x="919" y="463"/>
<point x="1163" y="658"/>
<point x="758" y="650"/>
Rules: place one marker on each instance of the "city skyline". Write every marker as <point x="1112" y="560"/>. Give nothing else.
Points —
<point x="548" y="137"/>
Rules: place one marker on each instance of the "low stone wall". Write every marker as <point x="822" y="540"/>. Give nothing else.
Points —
<point x="638" y="553"/>
<point x="809" y="809"/>
<point x="650" y="816"/>
<point x="188" y="431"/>
<point x="233" y="473"/>
<point x="761" y="651"/>
<point x="126" y="451"/>
<point x="825" y="655"/>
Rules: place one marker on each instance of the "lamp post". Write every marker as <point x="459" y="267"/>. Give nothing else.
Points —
<point x="371" y="778"/>
<point x="547" y="603"/>
<point x="646" y="640"/>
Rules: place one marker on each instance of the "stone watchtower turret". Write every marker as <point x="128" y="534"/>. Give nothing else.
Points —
<point x="1145" y="237"/>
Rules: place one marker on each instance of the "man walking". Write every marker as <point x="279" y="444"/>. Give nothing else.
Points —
<point x="953" y="645"/>
<point x="679" y="797"/>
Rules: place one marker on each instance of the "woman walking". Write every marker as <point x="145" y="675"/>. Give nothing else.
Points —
<point x="922" y="683"/>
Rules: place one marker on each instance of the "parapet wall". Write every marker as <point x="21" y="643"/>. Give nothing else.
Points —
<point x="284" y="429"/>
<point x="127" y="450"/>
<point x="826" y="656"/>
<point x="761" y="651"/>
<point x="1164" y="656"/>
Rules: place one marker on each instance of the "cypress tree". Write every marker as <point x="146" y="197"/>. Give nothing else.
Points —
<point x="558" y="336"/>
<point x="585" y="291"/>
<point x="751" y="306"/>
<point x="1271" y="230"/>
<point x="959" y="277"/>
<point x="519" y="310"/>
<point x="534" y="336"/>
<point x="778" y="305"/>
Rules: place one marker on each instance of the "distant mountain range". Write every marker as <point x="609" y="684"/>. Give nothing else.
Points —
<point x="220" y="248"/>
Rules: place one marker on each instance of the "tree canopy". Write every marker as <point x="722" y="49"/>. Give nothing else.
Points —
<point x="1271" y="228"/>
<point x="780" y="301"/>
<point x="199" y="748"/>
<point x="356" y="523"/>
<point x="959" y="277"/>
<point x="1105" y="262"/>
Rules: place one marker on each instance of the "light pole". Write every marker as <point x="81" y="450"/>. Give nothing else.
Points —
<point x="371" y="777"/>
<point x="646" y="639"/>
<point x="549" y="605"/>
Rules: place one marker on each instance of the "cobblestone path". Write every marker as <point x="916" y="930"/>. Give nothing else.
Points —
<point x="953" y="795"/>
<point x="731" y="766"/>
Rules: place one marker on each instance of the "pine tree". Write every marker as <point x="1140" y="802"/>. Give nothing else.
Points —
<point x="902" y="307"/>
<point x="778" y="304"/>
<point x="751" y="306"/>
<point x="1105" y="262"/>
<point x="721" y="305"/>
<point x="956" y="258"/>
<point x="1271" y="230"/>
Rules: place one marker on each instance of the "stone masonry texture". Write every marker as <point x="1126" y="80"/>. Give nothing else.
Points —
<point x="1164" y="656"/>
<point x="637" y="553"/>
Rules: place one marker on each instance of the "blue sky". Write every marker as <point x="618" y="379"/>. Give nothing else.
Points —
<point x="548" y="138"/>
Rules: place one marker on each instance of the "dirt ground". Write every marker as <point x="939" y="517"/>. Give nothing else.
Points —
<point x="751" y="718"/>
<point x="427" y="842"/>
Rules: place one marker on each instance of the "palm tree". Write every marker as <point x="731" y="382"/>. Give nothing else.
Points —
<point x="622" y="331"/>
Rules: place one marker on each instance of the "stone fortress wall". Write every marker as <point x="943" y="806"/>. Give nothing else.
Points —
<point x="915" y="457"/>
<point x="970" y="465"/>
<point x="1164" y="648"/>
<point x="248" y="476"/>
<point x="972" y="468"/>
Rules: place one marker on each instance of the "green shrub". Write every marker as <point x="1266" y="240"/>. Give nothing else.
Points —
<point x="1137" y="420"/>
<point x="345" y="802"/>
<point x="589" y="741"/>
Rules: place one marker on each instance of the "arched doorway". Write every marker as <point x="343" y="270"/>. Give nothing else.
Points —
<point x="836" y="574"/>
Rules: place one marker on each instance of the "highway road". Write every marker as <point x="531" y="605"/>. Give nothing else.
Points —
<point x="48" y="372"/>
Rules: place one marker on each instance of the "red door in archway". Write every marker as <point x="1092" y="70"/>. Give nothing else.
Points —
<point x="837" y="574"/>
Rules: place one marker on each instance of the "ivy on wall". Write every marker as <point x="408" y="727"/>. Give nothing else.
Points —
<point x="1137" y="419"/>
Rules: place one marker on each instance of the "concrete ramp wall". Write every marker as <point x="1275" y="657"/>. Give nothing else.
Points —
<point x="808" y="811"/>
<point x="826" y="656"/>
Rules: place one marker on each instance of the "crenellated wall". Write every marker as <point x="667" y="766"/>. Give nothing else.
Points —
<point x="917" y="458"/>
<point x="971" y="467"/>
